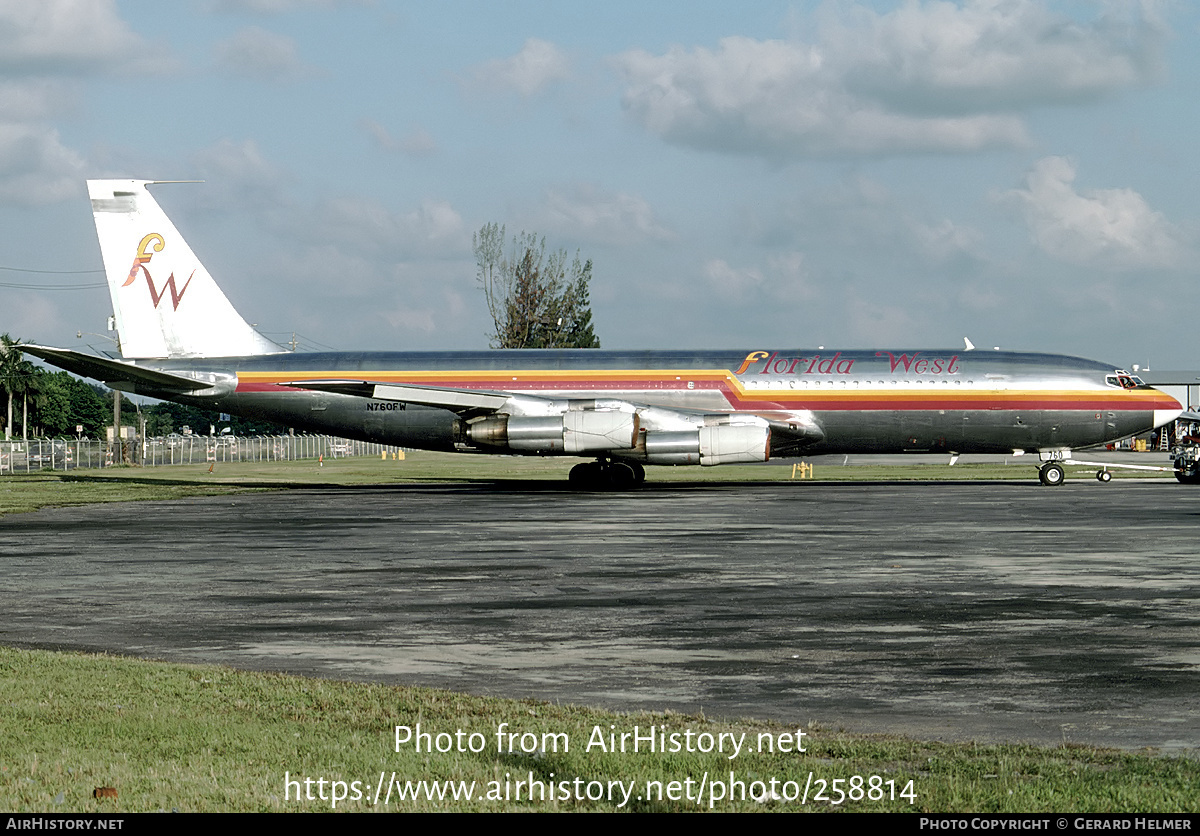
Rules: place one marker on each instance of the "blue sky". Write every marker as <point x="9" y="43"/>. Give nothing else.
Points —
<point x="851" y="174"/>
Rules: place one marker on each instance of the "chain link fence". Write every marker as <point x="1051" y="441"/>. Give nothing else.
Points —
<point x="63" y="454"/>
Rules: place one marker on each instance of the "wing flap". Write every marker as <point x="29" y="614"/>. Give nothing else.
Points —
<point x="455" y="400"/>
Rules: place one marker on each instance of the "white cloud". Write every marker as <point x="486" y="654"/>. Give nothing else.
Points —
<point x="424" y="300"/>
<point x="33" y="313"/>
<point x="732" y="282"/>
<point x="873" y="323"/>
<point x="930" y="76"/>
<point x="347" y="298"/>
<point x="417" y="143"/>
<point x="35" y="98"/>
<point x="780" y="100"/>
<point x="538" y="64"/>
<point x="785" y="279"/>
<point x="361" y="224"/>
<point x="35" y="167"/>
<point x="789" y="272"/>
<point x="860" y="219"/>
<point x="65" y="36"/>
<point x="986" y="54"/>
<point x="1109" y="229"/>
<point x="238" y="174"/>
<point x="259" y="54"/>
<point x="47" y="49"/>
<point x="945" y="240"/>
<point x="241" y="161"/>
<point x="276" y="7"/>
<point x="591" y="213"/>
<point x="420" y="320"/>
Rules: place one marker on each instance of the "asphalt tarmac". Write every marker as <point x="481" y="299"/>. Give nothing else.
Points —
<point x="1002" y="611"/>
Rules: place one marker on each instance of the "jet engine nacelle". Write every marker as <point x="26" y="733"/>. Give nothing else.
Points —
<point x="720" y="444"/>
<point x="575" y="431"/>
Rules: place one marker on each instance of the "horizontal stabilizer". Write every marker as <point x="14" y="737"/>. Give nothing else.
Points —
<point x="128" y="377"/>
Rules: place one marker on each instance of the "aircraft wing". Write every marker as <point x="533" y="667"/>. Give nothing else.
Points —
<point x="462" y="401"/>
<point x="790" y="430"/>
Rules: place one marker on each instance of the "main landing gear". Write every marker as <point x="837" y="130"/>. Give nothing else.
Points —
<point x="1052" y="473"/>
<point x="604" y="474"/>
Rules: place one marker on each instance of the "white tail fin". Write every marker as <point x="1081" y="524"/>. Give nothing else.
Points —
<point x="166" y="303"/>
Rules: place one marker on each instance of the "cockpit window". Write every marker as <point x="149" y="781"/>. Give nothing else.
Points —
<point x="1125" y="381"/>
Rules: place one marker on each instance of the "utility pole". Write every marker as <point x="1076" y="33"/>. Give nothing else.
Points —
<point x="116" y="427"/>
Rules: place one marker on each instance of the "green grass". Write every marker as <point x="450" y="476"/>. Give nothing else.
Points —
<point x="27" y="492"/>
<point x="208" y="738"/>
<point x="192" y="738"/>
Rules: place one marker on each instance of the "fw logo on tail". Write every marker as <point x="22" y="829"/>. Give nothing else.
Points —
<point x="130" y="222"/>
<point x="142" y="259"/>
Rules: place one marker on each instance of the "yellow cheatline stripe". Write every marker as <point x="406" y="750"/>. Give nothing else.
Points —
<point x="490" y="375"/>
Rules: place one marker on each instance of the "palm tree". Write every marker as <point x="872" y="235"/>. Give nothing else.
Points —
<point x="11" y="375"/>
<point x="31" y="387"/>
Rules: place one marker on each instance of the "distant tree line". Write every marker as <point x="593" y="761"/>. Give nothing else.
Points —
<point x="164" y="418"/>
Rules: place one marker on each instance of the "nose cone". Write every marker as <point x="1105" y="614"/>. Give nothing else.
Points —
<point x="1166" y="409"/>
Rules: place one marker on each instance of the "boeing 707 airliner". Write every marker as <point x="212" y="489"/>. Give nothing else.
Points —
<point x="180" y="339"/>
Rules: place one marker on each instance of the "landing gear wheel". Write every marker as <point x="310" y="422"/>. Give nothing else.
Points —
<point x="620" y="475"/>
<point x="585" y="475"/>
<point x="1104" y="476"/>
<point x="1188" y="477"/>
<point x="639" y="472"/>
<point x="1052" y="473"/>
<point x="603" y="475"/>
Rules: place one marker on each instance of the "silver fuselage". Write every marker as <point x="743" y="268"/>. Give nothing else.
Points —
<point x="873" y="401"/>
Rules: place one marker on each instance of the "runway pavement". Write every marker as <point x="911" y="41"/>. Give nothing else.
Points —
<point x="992" y="611"/>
